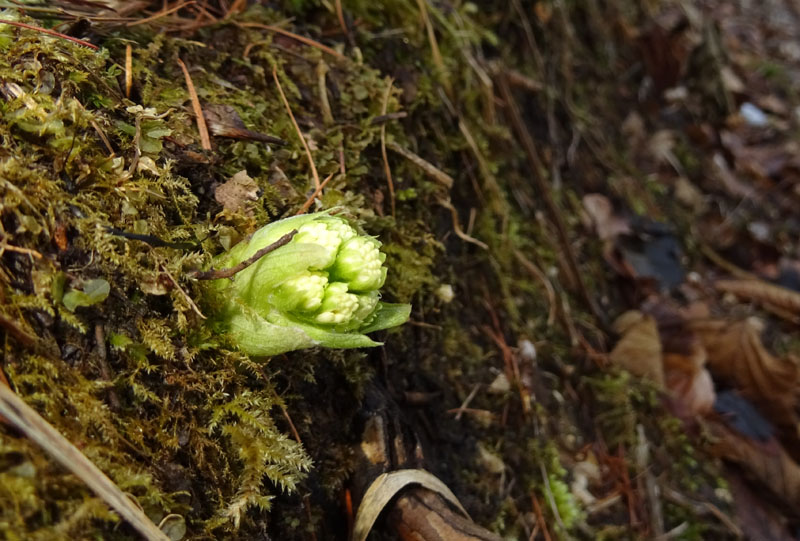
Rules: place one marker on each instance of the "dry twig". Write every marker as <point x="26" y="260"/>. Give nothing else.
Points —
<point x="536" y="168"/>
<point x="432" y="171"/>
<point x="301" y="39"/>
<point x="227" y="273"/>
<point x="314" y="195"/>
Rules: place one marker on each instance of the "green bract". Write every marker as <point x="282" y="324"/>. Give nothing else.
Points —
<point x="319" y="289"/>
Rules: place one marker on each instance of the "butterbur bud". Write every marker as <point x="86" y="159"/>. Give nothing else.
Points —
<point x="321" y="288"/>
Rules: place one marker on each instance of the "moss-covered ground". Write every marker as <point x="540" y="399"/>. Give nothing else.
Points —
<point x="102" y="184"/>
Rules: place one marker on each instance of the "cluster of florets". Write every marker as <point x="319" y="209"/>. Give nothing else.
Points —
<point x="323" y="284"/>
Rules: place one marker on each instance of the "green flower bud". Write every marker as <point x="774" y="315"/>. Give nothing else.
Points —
<point x="338" y="306"/>
<point x="321" y="288"/>
<point x="302" y="293"/>
<point x="360" y="264"/>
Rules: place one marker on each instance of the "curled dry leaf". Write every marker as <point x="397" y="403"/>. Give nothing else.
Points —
<point x="224" y="121"/>
<point x="735" y="352"/>
<point x="768" y="462"/>
<point x="237" y="193"/>
<point x="762" y="292"/>
<point x="601" y="216"/>
<point x="385" y="487"/>
<point x="670" y="356"/>
<point x="695" y="391"/>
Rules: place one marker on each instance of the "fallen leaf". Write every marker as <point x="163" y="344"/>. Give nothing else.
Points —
<point x="238" y="193"/>
<point x="767" y="462"/>
<point x="224" y="121"/>
<point x="92" y="292"/>
<point x="762" y="292"/>
<point x="602" y="219"/>
<point x="639" y="348"/>
<point x="736" y="353"/>
<point x="683" y="360"/>
<point x="385" y="487"/>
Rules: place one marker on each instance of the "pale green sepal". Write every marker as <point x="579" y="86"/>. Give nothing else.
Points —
<point x="387" y="315"/>
<point x="258" y="337"/>
<point x="329" y="338"/>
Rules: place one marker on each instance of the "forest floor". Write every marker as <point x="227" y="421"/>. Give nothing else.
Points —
<point x="589" y="205"/>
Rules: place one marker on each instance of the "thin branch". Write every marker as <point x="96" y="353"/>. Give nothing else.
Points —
<point x="380" y="119"/>
<point x="457" y="227"/>
<point x="17" y="332"/>
<point x="297" y="128"/>
<point x="50" y="33"/>
<point x="205" y="140"/>
<point x="216" y="274"/>
<point x="25" y="419"/>
<point x="185" y="295"/>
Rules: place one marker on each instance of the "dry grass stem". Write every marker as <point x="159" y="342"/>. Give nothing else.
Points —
<point x="387" y="169"/>
<point x="29" y="422"/>
<point x="432" y="171"/>
<point x="50" y="33"/>
<point x="301" y="39"/>
<point x="314" y="172"/>
<point x="205" y="140"/>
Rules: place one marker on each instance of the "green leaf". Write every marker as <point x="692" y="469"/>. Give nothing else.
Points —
<point x="93" y="292"/>
<point x="388" y="315"/>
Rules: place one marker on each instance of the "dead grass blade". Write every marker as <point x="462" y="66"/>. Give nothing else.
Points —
<point x="302" y="39"/>
<point x="205" y="140"/>
<point x="314" y="172"/>
<point x="26" y="420"/>
<point x="50" y="33"/>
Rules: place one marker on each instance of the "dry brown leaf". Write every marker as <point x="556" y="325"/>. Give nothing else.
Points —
<point x="639" y="348"/>
<point x="684" y="361"/>
<point x="224" y="121"/>
<point x="601" y="215"/>
<point x="385" y="487"/>
<point x="762" y="292"/>
<point x="768" y="462"/>
<point x="237" y="193"/>
<point x="694" y="392"/>
<point x="735" y="352"/>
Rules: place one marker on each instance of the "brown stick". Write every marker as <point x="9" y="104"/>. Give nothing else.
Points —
<point x="216" y="274"/>
<point x="421" y="515"/>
